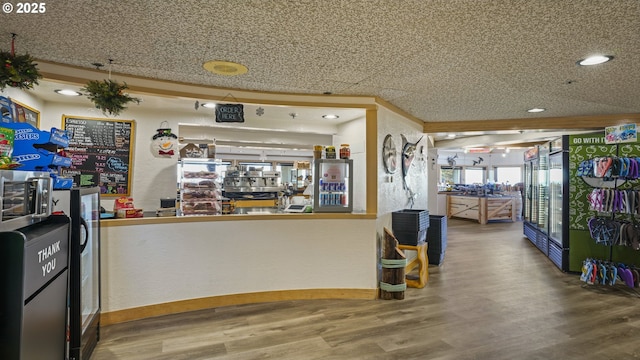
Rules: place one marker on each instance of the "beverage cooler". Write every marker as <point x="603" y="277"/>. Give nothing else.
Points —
<point x="34" y="268"/>
<point x="333" y="185"/>
<point x="83" y="206"/>
<point x="559" y="203"/>
<point x="546" y="200"/>
<point x="536" y="197"/>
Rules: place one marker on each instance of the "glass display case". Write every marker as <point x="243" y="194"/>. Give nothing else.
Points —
<point x="199" y="187"/>
<point x="332" y="185"/>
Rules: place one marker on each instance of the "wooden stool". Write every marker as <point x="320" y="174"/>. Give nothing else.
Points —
<point x="420" y="260"/>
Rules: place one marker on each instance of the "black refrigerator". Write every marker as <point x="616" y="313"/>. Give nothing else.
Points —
<point x="83" y="207"/>
<point x="33" y="269"/>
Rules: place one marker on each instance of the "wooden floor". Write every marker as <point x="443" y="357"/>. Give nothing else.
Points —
<point x="494" y="297"/>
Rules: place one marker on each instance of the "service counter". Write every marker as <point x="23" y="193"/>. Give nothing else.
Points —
<point x="160" y="265"/>
<point x="481" y="208"/>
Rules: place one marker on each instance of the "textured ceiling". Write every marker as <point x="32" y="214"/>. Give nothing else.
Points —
<point x="438" y="60"/>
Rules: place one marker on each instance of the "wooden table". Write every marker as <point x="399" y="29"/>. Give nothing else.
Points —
<point x="481" y="208"/>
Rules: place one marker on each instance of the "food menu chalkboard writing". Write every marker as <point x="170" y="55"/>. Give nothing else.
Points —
<point x="100" y="152"/>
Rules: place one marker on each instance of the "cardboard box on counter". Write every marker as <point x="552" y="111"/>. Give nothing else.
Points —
<point x="128" y="213"/>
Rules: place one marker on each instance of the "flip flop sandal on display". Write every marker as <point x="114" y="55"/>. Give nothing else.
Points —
<point x="613" y="274"/>
<point x="597" y="169"/>
<point x="626" y="162"/>
<point x="635" y="238"/>
<point x="615" y="168"/>
<point x="607" y="174"/>
<point x="611" y="231"/>
<point x="586" y="270"/>
<point x="589" y="168"/>
<point x="592" y="224"/>
<point x="628" y="278"/>
<point x="593" y="275"/>
<point x="603" y="274"/>
<point x="624" y="276"/>
<point x="626" y="234"/>
<point x="635" y="169"/>
<point x="636" y="278"/>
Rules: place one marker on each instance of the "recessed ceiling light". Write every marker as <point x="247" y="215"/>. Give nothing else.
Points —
<point x="227" y="68"/>
<point x="536" y="110"/>
<point x="208" y="105"/>
<point x="330" y="116"/>
<point x="67" y="92"/>
<point x="595" y="60"/>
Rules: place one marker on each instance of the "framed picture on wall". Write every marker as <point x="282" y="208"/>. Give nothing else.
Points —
<point x="26" y="114"/>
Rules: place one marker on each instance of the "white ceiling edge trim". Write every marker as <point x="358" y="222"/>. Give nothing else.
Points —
<point x="65" y="73"/>
<point x="501" y="140"/>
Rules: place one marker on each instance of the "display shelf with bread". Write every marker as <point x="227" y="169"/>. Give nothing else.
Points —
<point x="199" y="187"/>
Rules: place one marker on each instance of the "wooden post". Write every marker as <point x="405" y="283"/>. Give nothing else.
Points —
<point x="392" y="274"/>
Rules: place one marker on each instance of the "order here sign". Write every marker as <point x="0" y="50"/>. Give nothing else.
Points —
<point x="229" y="113"/>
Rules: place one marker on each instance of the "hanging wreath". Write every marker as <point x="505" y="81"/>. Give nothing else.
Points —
<point x="17" y="71"/>
<point x="108" y="95"/>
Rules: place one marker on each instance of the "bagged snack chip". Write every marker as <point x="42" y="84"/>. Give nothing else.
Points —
<point x="6" y="148"/>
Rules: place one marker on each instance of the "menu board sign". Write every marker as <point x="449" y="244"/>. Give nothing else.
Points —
<point x="229" y="113"/>
<point x="101" y="153"/>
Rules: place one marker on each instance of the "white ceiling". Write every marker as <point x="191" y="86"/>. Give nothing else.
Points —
<point x="438" y="60"/>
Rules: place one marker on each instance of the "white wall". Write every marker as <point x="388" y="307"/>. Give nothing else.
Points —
<point x="391" y="194"/>
<point x="353" y="133"/>
<point x="513" y="158"/>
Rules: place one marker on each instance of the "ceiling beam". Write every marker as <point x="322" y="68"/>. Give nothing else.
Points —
<point x="595" y="122"/>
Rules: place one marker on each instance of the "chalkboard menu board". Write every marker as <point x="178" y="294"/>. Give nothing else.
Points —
<point x="101" y="153"/>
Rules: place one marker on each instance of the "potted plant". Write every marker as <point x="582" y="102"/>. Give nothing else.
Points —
<point x="108" y="95"/>
<point x="18" y="71"/>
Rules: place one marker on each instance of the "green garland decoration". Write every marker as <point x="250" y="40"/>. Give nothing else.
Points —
<point x="108" y="95"/>
<point x="18" y="71"/>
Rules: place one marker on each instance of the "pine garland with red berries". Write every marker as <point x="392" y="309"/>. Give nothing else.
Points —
<point x="18" y="71"/>
<point x="108" y="96"/>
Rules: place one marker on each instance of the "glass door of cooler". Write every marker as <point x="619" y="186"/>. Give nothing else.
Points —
<point x="332" y="185"/>
<point x="543" y="190"/>
<point x="85" y="274"/>
<point x="535" y="191"/>
<point x="526" y="199"/>
<point x="557" y="193"/>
